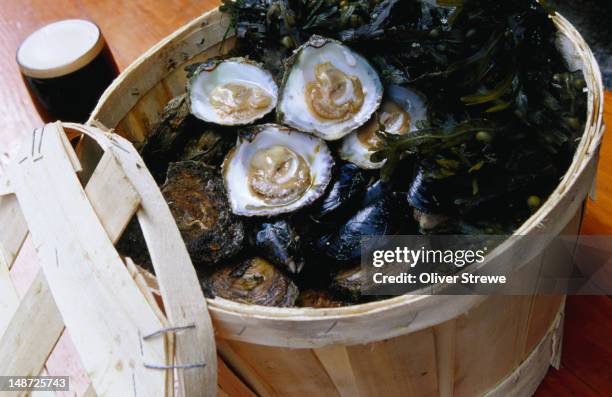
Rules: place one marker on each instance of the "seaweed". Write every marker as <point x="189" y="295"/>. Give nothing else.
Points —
<point x="504" y="110"/>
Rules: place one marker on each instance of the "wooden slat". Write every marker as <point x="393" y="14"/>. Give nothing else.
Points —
<point x="5" y="186"/>
<point x="115" y="213"/>
<point x="244" y="368"/>
<point x="9" y="300"/>
<point x="105" y="305"/>
<point x="486" y="344"/>
<point x="445" y="357"/>
<point x="182" y="294"/>
<point x="229" y="383"/>
<point x="32" y="333"/>
<point x="337" y="363"/>
<point x="13" y="231"/>
<point x="117" y="208"/>
<point x="401" y="366"/>
<point x="525" y="379"/>
<point x="283" y="370"/>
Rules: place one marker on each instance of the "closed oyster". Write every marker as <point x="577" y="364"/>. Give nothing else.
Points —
<point x="399" y="114"/>
<point x="349" y="283"/>
<point x="254" y="281"/>
<point x="274" y="170"/>
<point x="318" y="299"/>
<point x="169" y="136"/>
<point x="197" y="200"/>
<point x="328" y="90"/>
<point x="209" y="147"/>
<point x="232" y="92"/>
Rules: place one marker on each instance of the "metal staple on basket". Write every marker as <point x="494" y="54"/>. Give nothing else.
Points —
<point x="164" y="331"/>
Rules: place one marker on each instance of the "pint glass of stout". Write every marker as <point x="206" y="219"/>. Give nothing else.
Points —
<point x="66" y="66"/>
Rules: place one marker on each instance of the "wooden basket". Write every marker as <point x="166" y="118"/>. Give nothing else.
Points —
<point x="408" y="345"/>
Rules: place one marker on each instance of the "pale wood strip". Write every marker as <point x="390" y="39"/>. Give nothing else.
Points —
<point x="229" y="383"/>
<point x="183" y="299"/>
<point x="9" y="300"/>
<point x="13" y="231"/>
<point x="288" y="372"/>
<point x="168" y="337"/>
<point x="445" y="338"/>
<point x="336" y="362"/>
<point x="64" y="360"/>
<point x="494" y="325"/>
<point x="103" y="306"/>
<point x="115" y="213"/>
<point x="401" y="366"/>
<point x="90" y="392"/>
<point x="543" y="311"/>
<point x="525" y="379"/>
<point x="247" y="373"/>
<point x="36" y="326"/>
<point x="123" y="203"/>
<point x="5" y="186"/>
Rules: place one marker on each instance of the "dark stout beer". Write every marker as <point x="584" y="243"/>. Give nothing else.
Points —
<point x="66" y="66"/>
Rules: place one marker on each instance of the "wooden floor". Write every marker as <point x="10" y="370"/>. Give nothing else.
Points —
<point x="586" y="364"/>
<point x="133" y="26"/>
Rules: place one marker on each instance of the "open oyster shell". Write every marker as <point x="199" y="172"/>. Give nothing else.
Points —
<point x="274" y="170"/>
<point x="235" y="91"/>
<point x="328" y="90"/>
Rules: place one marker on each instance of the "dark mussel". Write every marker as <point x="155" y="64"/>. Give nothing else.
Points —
<point x="426" y="195"/>
<point x="196" y="197"/>
<point x="278" y="242"/>
<point x="254" y="281"/>
<point x="431" y="200"/>
<point x="348" y="184"/>
<point x="377" y="218"/>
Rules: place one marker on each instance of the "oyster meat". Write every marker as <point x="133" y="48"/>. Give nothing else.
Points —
<point x="196" y="197"/>
<point x="328" y="90"/>
<point x="274" y="170"/>
<point x="399" y="114"/>
<point x="235" y="91"/>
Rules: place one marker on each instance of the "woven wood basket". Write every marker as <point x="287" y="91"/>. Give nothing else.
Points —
<point x="133" y="340"/>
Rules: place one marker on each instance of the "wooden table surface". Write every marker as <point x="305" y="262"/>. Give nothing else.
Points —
<point x="131" y="27"/>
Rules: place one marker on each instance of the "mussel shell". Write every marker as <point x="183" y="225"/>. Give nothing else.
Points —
<point x="278" y="242"/>
<point x="196" y="197"/>
<point x="377" y="219"/>
<point x="318" y="299"/>
<point x="348" y="183"/>
<point x="254" y="281"/>
<point x="431" y="196"/>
